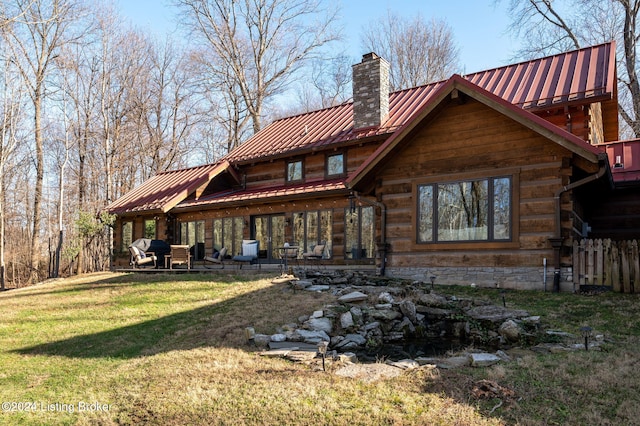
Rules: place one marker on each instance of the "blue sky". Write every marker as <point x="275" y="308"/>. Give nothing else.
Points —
<point x="478" y="26"/>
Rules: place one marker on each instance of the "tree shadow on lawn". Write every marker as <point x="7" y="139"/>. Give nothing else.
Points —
<point x="220" y="324"/>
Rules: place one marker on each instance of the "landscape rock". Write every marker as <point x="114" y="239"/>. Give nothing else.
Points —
<point x="408" y="308"/>
<point x="346" y="320"/>
<point x="279" y="337"/>
<point x="318" y="288"/>
<point x="309" y="336"/>
<point x="509" y="330"/>
<point x="353" y="297"/>
<point x="404" y="364"/>
<point x="483" y="359"/>
<point x="494" y="313"/>
<point x="320" y="324"/>
<point x="385" y="297"/>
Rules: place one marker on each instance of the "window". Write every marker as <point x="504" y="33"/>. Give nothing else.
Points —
<point x="473" y="210"/>
<point x="127" y="235"/>
<point x="359" y="233"/>
<point x="335" y="164"/>
<point x="192" y="234"/>
<point x="313" y="227"/>
<point x="150" y="229"/>
<point x="294" y="171"/>
<point x="227" y="232"/>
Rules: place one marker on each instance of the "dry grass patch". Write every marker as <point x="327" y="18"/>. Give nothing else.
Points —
<point x="170" y="350"/>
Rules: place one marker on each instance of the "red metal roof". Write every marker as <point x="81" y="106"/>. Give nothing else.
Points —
<point x="624" y="160"/>
<point x="573" y="77"/>
<point x="581" y="76"/>
<point x="163" y="191"/>
<point x="272" y="192"/>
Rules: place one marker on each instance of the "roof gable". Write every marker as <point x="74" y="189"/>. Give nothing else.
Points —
<point x="165" y="190"/>
<point x="455" y="87"/>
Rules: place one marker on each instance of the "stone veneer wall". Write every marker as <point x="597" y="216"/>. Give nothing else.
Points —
<point x="522" y="278"/>
<point x="370" y="91"/>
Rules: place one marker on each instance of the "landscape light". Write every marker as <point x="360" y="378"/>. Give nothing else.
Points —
<point x="322" y="350"/>
<point x="586" y="332"/>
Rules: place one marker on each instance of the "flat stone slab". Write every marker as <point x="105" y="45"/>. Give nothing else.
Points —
<point x="495" y="313"/>
<point x="355" y="296"/>
<point x="293" y="346"/>
<point x="484" y="359"/>
<point x="317" y="288"/>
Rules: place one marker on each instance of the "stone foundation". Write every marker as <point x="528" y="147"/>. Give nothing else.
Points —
<point x="520" y="278"/>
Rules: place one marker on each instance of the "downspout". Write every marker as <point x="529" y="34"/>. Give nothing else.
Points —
<point x="383" y="227"/>
<point x="556" y="241"/>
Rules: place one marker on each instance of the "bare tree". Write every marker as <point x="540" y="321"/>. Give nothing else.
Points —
<point x="34" y="40"/>
<point x="258" y="45"/>
<point x="547" y="27"/>
<point x="11" y="111"/>
<point x="418" y="51"/>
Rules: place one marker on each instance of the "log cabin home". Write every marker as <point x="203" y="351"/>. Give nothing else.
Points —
<point x="484" y="178"/>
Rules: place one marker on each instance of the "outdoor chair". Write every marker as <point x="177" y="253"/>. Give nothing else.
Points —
<point x="217" y="258"/>
<point x="250" y="250"/>
<point x="180" y="256"/>
<point x="140" y="258"/>
<point x="315" y="255"/>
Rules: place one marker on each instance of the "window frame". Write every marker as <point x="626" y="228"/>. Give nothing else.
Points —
<point x="124" y="245"/>
<point x="344" y="164"/>
<point x="513" y="242"/>
<point x="155" y="228"/>
<point x="288" y="179"/>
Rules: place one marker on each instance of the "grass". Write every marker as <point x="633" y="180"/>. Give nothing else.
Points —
<point x="170" y="350"/>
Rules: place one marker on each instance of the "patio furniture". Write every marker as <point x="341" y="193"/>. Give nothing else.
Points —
<point x="250" y="249"/>
<point x="288" y="253"/>
<point x="140" y="258"/>
<point x="217" y="258"/>
<point x="179" y="256"/>
<point x="315" y="255"/>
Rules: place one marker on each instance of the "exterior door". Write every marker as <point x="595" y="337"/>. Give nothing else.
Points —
<point x="269" y="230"/>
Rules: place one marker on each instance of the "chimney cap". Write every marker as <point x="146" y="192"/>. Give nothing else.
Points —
<point x="370" y="57"/>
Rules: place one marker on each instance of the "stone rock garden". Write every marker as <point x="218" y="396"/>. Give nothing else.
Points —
<point x="403" y="324"/>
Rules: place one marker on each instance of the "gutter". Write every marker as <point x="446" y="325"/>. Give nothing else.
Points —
<point x="383" y="227"/>
<point x="556" y="240"/>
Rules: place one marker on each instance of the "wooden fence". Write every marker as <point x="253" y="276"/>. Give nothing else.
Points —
<point x="607" y="263"/>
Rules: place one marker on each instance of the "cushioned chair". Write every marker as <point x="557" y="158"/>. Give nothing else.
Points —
<point x="250" y="250"/>
<point x="140" y="258"/>
<point x="216" y="260"/>
<point x="180" y="256"/>
<point x="316" y="254"/>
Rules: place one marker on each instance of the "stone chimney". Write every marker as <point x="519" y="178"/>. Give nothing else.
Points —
<point x="370" y="91"/>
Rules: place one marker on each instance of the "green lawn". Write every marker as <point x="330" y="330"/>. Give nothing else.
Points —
<point x="143" y="349"/>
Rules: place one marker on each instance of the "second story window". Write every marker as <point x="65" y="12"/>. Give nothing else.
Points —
<point x="294" y="171"/>
<point x="335" y="164"/>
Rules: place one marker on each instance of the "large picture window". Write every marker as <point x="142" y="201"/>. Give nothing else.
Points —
<point x="471" y="210"/>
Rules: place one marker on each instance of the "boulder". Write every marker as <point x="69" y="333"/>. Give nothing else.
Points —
<point x="346" y="320"/>
<point x="320" y="324"/>
<point x="312" y="337"/>
<point x="385" y="297"/>
<point x="408" y="308"/>
<point x="509" y="330"/>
